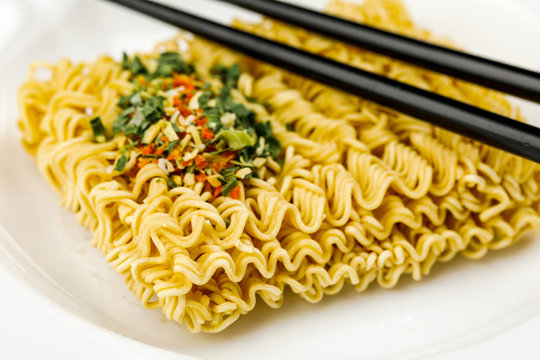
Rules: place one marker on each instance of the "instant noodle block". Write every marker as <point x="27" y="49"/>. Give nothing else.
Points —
<point x="211" y="181"/>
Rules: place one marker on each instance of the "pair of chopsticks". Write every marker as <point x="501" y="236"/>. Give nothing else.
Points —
<point x="487" y="127"/>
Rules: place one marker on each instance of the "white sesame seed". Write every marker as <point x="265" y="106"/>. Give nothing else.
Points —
<point x="260" y="148"/>
<point x="175" y="116"/>
<point x="110" y="169"/>
<point x="165" y="165"/>
<point x="161" y="165"/>
<point x="89" y="111"/>
<point x="189" y="179"/>
<point x="194" y="102"/>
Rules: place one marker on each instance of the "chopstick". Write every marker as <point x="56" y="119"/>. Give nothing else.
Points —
<point x="487" y="127"/>
<point x="496" y="75"/>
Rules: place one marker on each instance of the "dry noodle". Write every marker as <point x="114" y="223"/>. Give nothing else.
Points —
<point x="363" y="194"/>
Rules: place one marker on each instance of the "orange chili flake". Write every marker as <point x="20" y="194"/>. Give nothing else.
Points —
<point x="217" y="191"/>
<point x="175" y="154"/>
<point x="142" y="163"/>
<point x="225" y="161"/>
<point x="183" y="80"/>
<point x="235" y="193"/>
<point x="141" y="80"/>
<point x="177" y="102"/>
<point x="188" y="96"/>
<point x="187" y="163"/>
<point x="160" y="151"/>
<point x="164" y="138"/>
<point x="228" y="155"/>
<point x="147" y="150"/>
<point x="200" y="161"/>
<point x="201" y="121"/>
<point x="201" y="177"/>
<point x="184" y="111"/>
<point x="207" y="134"/>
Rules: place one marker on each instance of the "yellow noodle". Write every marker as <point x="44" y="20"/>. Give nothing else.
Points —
<point x="365" y="194"/>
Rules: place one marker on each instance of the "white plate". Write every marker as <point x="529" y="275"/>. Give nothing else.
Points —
<point x="43" y="247"/>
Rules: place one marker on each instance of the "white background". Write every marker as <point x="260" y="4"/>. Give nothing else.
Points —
<point x="29" y="329"/>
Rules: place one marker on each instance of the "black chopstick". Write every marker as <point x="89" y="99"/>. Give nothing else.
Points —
<point x="492" y="129"/>
<point x="506" y="78"/>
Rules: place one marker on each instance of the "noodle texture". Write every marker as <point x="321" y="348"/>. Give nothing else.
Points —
<point x="209" y="180"/>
